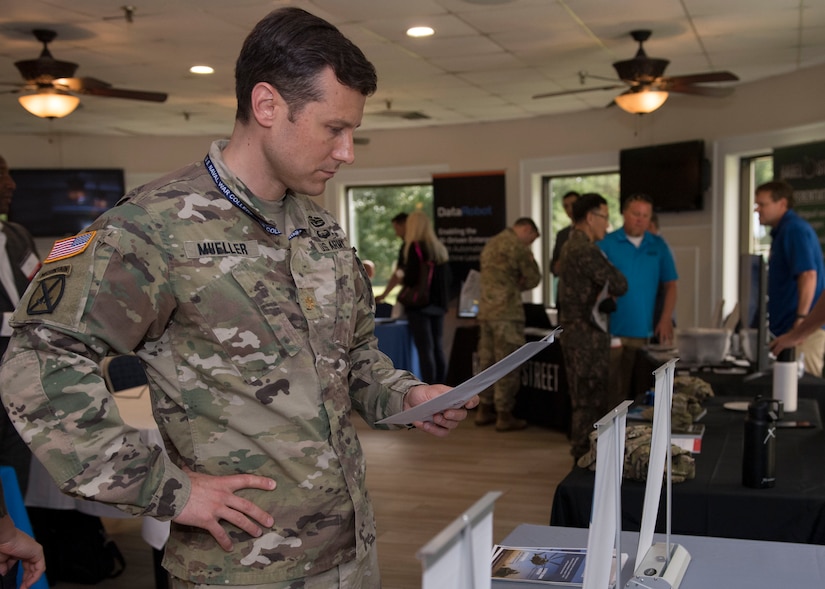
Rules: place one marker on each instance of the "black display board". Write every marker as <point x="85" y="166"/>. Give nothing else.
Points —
<point x="803" y="167"/>
<point x="469" y="209"/>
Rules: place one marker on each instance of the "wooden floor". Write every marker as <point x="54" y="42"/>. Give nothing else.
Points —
<point x="419" y="484"/>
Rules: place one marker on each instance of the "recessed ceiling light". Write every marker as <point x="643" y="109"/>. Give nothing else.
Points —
<point x="420" y="31"/>
<point x="201" y="69"/>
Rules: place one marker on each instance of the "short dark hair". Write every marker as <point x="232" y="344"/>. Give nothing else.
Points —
<point x="590" y="201"/>
<point x="289" y="48"/>
<point x="569" y="194"/>
<point x="400" y="218"/>
<point x="637" y="197"/>
<point x="527" y="221"/>
<point x="778" y="189"/>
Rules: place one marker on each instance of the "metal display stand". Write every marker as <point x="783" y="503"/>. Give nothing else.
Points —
<point x="606" y="520"/>
<point x="458" y="557"/>
<point x="659" y="565"/>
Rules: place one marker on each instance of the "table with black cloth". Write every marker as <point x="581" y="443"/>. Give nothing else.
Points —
<point x="395" y="340"/>
<point x="728" y="380"/>
<point x="542" y="398"/>
<point x="715" y="503"/>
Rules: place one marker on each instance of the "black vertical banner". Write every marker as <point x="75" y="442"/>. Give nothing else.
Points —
<point x="469" y="210"/>
<point x="803" y="167"/>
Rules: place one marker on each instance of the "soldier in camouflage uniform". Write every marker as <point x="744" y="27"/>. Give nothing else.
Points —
<point x="507" y="269"/>
<point x="255" y="322"/>
<point x="586" y="346"/>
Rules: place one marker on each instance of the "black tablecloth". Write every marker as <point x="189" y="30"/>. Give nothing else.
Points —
<point x="715" y="503"/>
<point x="542" y="399"/>
<point x="728" y="381"/>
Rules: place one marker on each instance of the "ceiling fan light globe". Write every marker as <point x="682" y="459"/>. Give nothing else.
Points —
<point x="641" y="102"/>
<point x="49" y="103"/>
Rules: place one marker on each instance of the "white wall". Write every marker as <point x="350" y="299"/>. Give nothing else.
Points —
<point x="759" y="116"/>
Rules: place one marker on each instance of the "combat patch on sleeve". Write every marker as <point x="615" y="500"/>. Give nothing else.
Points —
<point x="49" y="289"/>
<point x="71" y="246"/>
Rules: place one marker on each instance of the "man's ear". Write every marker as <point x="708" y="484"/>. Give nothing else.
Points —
<point x="267" y="104"/>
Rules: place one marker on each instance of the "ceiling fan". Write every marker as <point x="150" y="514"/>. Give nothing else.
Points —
<point x="50" y="84"/>
<point x="646" y="86"/>
<point x="409" y="115"/>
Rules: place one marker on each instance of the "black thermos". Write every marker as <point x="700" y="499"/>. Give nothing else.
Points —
<point x="758" y="457"/>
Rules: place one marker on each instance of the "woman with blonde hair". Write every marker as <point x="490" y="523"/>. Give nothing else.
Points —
<point x="425" y="261"/>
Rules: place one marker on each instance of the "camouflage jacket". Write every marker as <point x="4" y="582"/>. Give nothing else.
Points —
<point x="257" y="346"/>
<point x="507" y="269"/>
<point x="584" y="271"/>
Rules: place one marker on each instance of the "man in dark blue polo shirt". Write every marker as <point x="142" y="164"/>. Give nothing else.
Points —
<point x="796" y="273"/>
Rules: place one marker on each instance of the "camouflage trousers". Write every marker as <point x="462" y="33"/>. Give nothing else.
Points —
<point x="356" y="574"/>
<point x="586" y="352"/>
<point x="498" y="339"/>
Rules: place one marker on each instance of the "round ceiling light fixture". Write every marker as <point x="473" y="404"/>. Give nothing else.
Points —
<point x="420" y="32"/>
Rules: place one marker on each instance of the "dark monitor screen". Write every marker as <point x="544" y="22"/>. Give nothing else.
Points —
<point x="674" y="175"/>
<point x="59" y="202"/>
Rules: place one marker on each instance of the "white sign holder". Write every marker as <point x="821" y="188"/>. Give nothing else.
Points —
<point x="606" y="517"/>
<point x="458" y="557"/>
<point x="659" y="565"/>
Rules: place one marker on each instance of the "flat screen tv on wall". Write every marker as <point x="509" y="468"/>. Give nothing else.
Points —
<point x="59" y="202"/>
<point x="674" y="175"/>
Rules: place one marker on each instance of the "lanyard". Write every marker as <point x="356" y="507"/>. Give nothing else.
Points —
<point x="233" y="198"/>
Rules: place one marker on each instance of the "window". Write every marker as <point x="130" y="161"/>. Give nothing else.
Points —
<point x="370" y="210"/>
<point x="756" y="170"/>
<point x="554" y="218"/>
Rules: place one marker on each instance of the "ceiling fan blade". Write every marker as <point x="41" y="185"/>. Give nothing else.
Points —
<point x="95" y="87"/>
<point x="410" y="115"/>
<point x="579" y="91"/>
<point x="702" y="78"/>
<point x="714" y="91"/>
<point x="123" y="93"/>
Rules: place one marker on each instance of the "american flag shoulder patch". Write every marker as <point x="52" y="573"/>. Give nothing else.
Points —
<point x="71" y="246"/>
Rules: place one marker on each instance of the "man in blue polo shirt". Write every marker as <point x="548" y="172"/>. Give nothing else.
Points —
<point x="646" y="261"/>
<point x="796" y="273"/>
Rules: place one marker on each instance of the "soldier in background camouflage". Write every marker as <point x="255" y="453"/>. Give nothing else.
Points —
<point x="507" y="269"/>
<point x="254" y="320"/>
<point x="585" y="346"/>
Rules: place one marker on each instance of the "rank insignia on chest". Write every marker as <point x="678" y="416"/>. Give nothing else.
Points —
<point x="309" y="302"/>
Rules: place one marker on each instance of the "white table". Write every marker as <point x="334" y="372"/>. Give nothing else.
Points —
<point x="715" y="562"/>
<point x="136" y="410"/>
